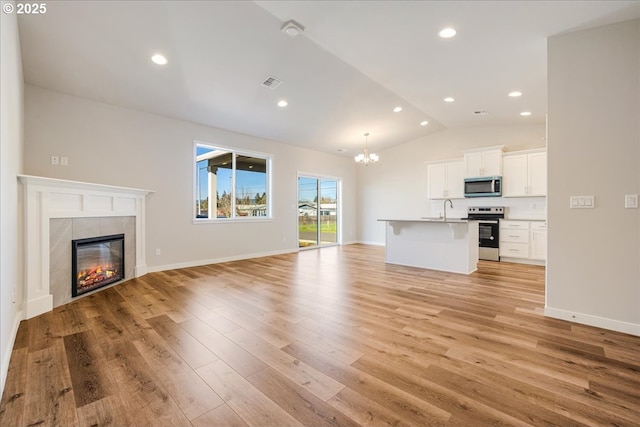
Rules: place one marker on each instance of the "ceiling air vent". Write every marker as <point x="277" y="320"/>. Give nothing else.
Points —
<point x="480" y="113"/>
<point x="271" y="82"/>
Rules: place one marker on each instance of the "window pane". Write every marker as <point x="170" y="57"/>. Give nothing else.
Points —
<point x="216" y="197"/>
<point x="202" y="182"/>
<point x="328" y="211"/>
<point x="251" y="186"/>
<point x="307" y="212"/>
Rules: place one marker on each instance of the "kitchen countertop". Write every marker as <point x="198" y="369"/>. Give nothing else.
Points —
<point x="428" y="219"/>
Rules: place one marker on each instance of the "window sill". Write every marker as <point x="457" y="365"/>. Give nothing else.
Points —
<point x="231" y="220"/>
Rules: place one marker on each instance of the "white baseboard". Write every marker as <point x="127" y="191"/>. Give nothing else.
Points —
<point x="599" y="322"/>
<point x="523" y="261"/>
<point x="156" y="268"/>
<point x="38" y="306"/>
<point x="6" y="358"/>
<point x="365" y="242"/>
<point x="140" y="270"/>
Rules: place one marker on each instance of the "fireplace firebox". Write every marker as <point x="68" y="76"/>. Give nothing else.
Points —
<point x="96" y="262"/>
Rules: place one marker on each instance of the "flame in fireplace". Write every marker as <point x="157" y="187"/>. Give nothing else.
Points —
<point x="98" y="275"/>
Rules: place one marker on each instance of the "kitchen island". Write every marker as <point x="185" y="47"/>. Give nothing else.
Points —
<point x="433" y="243"/>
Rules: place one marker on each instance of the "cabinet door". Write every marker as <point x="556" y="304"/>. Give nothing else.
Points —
<point x="538" y="240"/>
<point x="539" y="245"/>
<point x="537" y="166"/>
<point x="491" y="163"/>
<point x="514" y="178"/>
<point x="436" y="174"/>
<point x="472" y="165"/>
<point x="455" y="180"/>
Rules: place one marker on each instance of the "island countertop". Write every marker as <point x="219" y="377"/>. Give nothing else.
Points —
<point x="429" y="219"/>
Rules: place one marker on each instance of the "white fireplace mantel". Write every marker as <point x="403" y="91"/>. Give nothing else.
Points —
<point x="47" y="198"/>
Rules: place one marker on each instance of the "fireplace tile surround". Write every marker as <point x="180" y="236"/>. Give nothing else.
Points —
<point x="57" y="211"/>
<point x="63" y="230"/>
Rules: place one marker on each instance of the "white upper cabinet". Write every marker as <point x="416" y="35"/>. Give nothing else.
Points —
<point x="484" y="162"/>
<point x="445" y="180"/>
<point x="525" y="174"/>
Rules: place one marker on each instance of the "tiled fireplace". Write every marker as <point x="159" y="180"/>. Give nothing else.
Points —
<point x="59" y="212"/>
<point x="63" y="232"/>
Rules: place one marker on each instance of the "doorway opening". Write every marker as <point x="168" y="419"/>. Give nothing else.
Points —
<point x="318" y="211"/>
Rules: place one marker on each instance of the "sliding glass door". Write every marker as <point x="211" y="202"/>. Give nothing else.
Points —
<point x="318" y="211"/>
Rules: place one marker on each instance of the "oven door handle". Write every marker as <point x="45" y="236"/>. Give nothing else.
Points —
<point x="485" y="221"/>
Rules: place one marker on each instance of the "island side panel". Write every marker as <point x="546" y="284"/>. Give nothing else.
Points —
<point x="451" y="247"/>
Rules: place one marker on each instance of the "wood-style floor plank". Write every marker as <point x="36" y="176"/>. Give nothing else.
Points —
<point x="329" y="337"/>
<point x="255" y="408"/>
<point x="50" y="394"/>
<point x="91" y="381"/>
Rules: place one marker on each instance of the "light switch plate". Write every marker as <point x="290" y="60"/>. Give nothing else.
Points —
<point x="631" y="201"/>
<point x="582" y="202"/>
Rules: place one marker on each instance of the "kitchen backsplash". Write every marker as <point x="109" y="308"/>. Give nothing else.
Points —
<point x="531" y="208"/>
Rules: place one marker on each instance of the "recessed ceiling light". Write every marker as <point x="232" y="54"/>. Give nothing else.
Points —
<point x="447" y="33"/>
<point x="397" y="109"/>
<point x="525" y="113"/>
<point x="449" y="99"/>
<point x="515" y="94"/>
<point x="282" y="103"/>
<point x="424" y="123"/>
<point x="159" y="59"/>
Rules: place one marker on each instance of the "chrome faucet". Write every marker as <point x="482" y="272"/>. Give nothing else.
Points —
<point x="445" y="208"/>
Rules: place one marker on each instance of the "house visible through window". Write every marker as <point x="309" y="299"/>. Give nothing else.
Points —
<point x="231" y="183"/>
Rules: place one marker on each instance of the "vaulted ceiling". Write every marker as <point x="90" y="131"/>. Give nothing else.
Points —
<point x="342" y="76"/>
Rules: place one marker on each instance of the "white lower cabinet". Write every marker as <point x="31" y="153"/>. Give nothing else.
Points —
<point x="525" y="240"/>
<point x="539" y="240"/>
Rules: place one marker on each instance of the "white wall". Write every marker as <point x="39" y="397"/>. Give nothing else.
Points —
<point x="397" y="185"/>
<point x="11" y="145"/>
<point x="593" y="271"/>
<point x="118" y="146"/>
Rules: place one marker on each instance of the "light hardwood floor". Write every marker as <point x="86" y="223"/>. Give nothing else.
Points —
<point x="330" y="337"/>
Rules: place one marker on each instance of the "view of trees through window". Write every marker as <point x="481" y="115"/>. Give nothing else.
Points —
<point x="230" y="184"/>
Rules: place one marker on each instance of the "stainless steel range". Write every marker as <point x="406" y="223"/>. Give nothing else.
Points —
<point x="489" y="230"/>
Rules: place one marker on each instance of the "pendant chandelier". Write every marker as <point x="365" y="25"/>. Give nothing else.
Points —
<point x="366" y="157"/>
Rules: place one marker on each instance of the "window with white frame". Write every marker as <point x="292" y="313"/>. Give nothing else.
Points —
<point x="231" y="184"/>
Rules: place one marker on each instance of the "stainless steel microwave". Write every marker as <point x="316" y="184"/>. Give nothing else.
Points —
<point x="486" y="186"/>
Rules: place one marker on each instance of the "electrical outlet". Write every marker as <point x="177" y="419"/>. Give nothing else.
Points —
<point x="64" y="161"/>
<point x="631" y="201"/>
<point x="158" y="251"/>
<point x="55" y="160"/>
